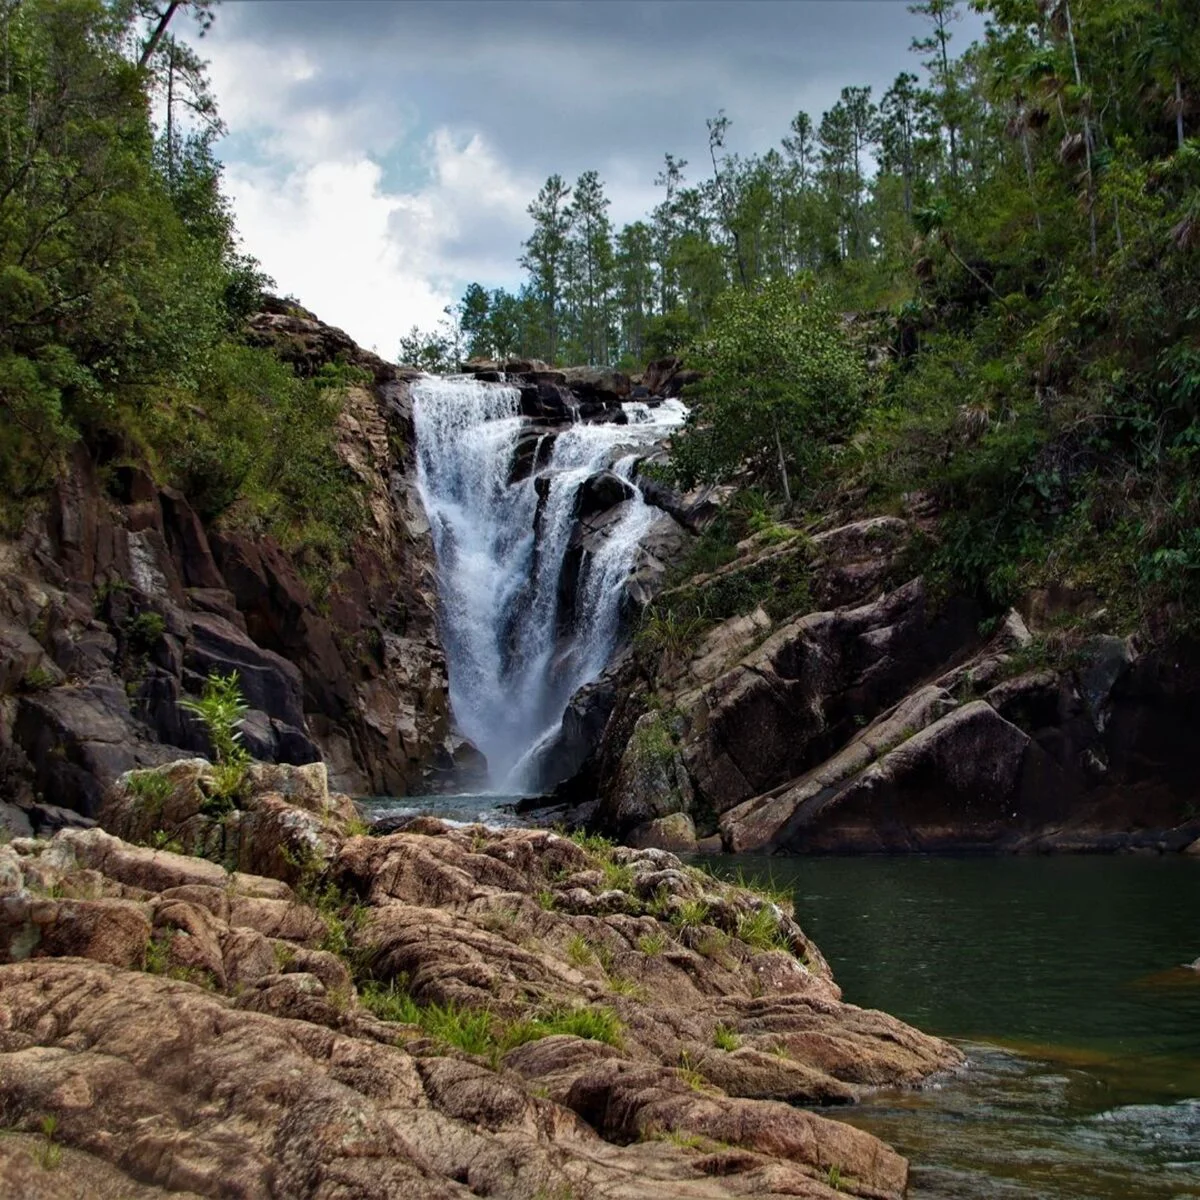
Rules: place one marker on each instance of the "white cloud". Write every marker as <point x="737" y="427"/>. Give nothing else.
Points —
<point x="377" y="262"/>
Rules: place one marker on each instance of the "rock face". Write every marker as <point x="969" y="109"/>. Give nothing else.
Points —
<point x="875" y="719"/>
<point x="440" y="1012"/>
<point x="117" y="600"/>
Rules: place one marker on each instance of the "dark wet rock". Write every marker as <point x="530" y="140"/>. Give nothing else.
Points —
<point x="600" y="492"/>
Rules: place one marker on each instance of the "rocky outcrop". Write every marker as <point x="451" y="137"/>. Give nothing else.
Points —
<point x="876" y="719"/>
<point x="444" y="1012"/>
<point x="117" y="599"/>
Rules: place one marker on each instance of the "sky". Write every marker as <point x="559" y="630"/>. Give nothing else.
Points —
<point x="382" y="153"/>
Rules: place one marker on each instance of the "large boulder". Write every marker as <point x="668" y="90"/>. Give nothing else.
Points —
<point x="280" y="820"/>
<point x="969" y="779"/>
<point x="796" y="699"/>
<point x="600" y="384"/>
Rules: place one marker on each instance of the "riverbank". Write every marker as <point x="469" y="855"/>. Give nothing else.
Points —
<point x="459" y="1011"/>
<point x="1061" y="980"/>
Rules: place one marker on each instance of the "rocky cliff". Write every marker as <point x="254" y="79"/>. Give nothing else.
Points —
<point x="832" y="703"/>
<point x="116" y="599"/>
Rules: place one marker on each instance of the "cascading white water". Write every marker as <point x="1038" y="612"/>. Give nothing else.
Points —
<point x="511" y="673"/>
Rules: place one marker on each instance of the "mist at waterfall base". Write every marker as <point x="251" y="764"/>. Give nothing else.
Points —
<point x="512" y="669"/>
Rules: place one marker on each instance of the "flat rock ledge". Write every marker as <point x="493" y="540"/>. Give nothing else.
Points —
<point x="442" y="1012"/>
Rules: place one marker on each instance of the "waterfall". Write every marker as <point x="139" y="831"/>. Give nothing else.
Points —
<point x="502" y="549"/>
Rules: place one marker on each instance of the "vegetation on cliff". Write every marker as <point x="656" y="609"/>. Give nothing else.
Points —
<point x="123" y="289"/>
<point x="1017" y="229"/>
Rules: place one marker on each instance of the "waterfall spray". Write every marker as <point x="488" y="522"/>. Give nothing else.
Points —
<point x="512" y="669"/>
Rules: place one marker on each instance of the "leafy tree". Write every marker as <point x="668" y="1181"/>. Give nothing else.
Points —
<point x="545" y="256"/>
<point x="780" y="383"/>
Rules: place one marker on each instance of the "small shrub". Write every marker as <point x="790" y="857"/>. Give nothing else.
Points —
<point x="546" y="899"/>
<point x="158" y="952"/>
<point x="49" y="1151"/>
<point x="221" y="709"/>
<point x="144" y="630"/>
<point x="38" y="679"/>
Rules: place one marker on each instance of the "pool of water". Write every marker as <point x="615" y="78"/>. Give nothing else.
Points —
<point x="1061" y="978"/>
<point x="493" y="809"/>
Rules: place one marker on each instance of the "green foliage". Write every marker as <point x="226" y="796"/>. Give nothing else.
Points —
<point x="158" y="952"/>
<point x="726" y="1038"/>
<point x="49" y="1153"/>
<point x="653" y="944"/>
<point x="38" y="679"/>
<point x="152" y="788"/>
<point x="579" y="951"/>
<point x="478" y="1031"/>
<point x="160" y="839"/>
<point x="221" y="709"/>
<point x="780" y="383"/>
<point x="690" y="914"/>
<point x="145" y="629"/>
<point x="124" y="291"/>
<point x="761" y="930"/>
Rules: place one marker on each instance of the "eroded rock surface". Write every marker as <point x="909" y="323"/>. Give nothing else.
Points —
<point x="117" y="599"/>
<point x="442" y="1012"/>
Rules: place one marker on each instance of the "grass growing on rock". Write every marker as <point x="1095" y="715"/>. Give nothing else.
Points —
<point x="690" y="914"/>
<point x="653" y="944"/>
<point x="761" y="930"/>
<point x="480" y="1032"/>
<point x="579" y="951"/>
<point x="726" y="1038"/>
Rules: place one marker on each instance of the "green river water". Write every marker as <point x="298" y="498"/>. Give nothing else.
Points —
<point x="1061" y="978"/>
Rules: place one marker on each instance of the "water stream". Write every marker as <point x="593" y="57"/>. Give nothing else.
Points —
<point x="502" y="548"/>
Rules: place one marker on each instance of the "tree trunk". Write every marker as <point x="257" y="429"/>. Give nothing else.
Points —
<point x="171" y="117"/>
<point x="157" y="35"/>
<point x="1087" y="137"/>
<point x="1178" y="110"/>
<point x="1037" y="216"/>
<point x="783" y="474"/>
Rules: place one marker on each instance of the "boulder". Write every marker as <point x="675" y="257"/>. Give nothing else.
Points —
<point x="651" y="780"/>
<point x="600" y="384"/>
<point x="600" y="492"/>
<point x="765" y="822"/>
<point x="137" y="984"/>
<point x="676" y="833"/>
<point x="792" y="702"/>
<point x="79" y="739"/>
<point x="282" y="819"/>
<point x="970" y="779"/>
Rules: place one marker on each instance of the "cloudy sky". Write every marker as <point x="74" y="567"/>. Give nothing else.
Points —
<point x="382" y="154"/>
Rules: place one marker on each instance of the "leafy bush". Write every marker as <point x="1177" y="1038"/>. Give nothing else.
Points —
<point x="780" y="383"/>
<point x="221" y="709"/>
